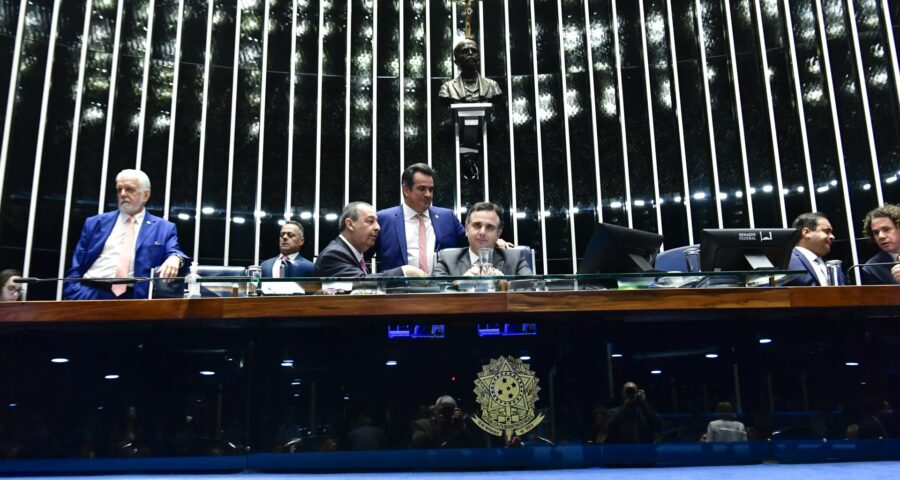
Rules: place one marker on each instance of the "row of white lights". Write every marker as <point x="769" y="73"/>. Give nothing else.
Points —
<point x="331" y="217"/>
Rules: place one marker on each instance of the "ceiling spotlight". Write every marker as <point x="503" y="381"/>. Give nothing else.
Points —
<point x="111" y="376"/>
<point x="525" y="358"/>
<point x="207" y="373"/>
<point x="851" y="364"/>
<point x="59" y="360"/>
<point x="656" y="372"/>
<point x="712" y="355"/>
<point x="764" y="341"/>
<point x="391" y="363"/>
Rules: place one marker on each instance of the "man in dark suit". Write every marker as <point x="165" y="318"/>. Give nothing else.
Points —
<point x="882" y="226"/>
<point x="289" y="263"/>
<point x="343" y="257"/>
<point x="125" y="243"/>
<point x="815" y="241"/>
<point x="483" y="229"/>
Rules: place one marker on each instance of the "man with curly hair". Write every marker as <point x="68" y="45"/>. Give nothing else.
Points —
<point x="882" y="226"/>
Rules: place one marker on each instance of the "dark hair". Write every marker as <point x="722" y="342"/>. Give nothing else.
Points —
<point x="294" y="222"/>
<point x="885" y="211"/>
<point x="808" y="220"/>
<point x="412" y="170"/>
<point x="725" y="410"/>
<point x="487" y="207"/>
<point x="8" y="273"/>
<point x="351" y="211"/>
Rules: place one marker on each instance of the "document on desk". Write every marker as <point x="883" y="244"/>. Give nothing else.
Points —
<point x="282" y="288"/>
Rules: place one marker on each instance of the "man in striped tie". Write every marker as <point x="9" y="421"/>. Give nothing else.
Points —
<point x="288" y="263"/>
<point x="124" y="243"/>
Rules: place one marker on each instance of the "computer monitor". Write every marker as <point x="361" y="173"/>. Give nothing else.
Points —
<point x="615" y="249"/>
<point x="735" y="249"/>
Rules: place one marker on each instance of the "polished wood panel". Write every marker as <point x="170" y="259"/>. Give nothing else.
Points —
<point x="649" y="299"/>
<point x="452" y="304"/>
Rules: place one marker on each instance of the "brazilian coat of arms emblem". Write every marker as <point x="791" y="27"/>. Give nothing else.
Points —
<point x="507" y="390"/>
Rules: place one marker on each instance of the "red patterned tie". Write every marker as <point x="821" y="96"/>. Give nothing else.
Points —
<point x="125" y="257"/>
<point x="423" y="244"/>
<point x="362" y="265"/>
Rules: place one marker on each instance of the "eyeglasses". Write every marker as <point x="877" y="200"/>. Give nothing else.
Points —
<point x="16" y="290"/>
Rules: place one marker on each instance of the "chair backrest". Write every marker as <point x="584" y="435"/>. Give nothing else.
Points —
<point x="528" y="253"/>
<point x="220" y="271"/>
<point x="672" y="260"/>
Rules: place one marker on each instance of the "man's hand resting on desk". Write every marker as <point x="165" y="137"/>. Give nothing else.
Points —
<point x="501" y="243"/>
<point x="411" y="271"/>
<point x="170" y="268"/>
<point x="476" y="272"/>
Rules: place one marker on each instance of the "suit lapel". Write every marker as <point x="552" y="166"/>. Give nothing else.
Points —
<point x="499" y="259"/>
<point x="463" y="263"/>
<point x="435" y="225"/>
<point x="808" y="266"/>
<point x="150" y="223"/>
<point x="400" y="232"/>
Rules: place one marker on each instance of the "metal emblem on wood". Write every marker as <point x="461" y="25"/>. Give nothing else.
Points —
<point x="507" y="390"/>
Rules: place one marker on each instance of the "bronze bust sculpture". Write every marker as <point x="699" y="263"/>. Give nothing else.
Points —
<point x="469" y="86"/>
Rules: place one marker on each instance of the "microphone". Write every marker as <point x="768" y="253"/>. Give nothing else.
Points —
<point x="864" y="265"/>
<point x="111" y="281"/>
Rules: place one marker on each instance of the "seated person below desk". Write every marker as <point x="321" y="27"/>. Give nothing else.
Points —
<point x="125" y="243"/>
<point x="882" y="226"/>
<point x="343" y="257"/>
<point x="289" y="264"/>
<point x="483" y="228"/>
<point x="815" y="241"/>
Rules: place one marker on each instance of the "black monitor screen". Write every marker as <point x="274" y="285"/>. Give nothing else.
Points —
<point x="735" y="249"/>
<point x="615" y="249"/>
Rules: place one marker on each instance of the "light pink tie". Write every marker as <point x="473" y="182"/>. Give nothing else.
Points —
<point x="423" y="244"/>
<point x="125" y="258"/>
<point x="282" y="267"/>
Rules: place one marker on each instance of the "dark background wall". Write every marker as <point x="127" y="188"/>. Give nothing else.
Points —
<point x="641" y="113"/>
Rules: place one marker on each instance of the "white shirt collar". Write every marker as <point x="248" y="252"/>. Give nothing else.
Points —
<point x="812" y="257"/>
<point x="139" y="217"/>
<point x="292" y="256"/>
<point x="409" y="213"/>
<point x="356" y="252"/>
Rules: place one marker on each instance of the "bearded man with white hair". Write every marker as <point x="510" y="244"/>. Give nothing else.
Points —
<point x="124" y="243"/>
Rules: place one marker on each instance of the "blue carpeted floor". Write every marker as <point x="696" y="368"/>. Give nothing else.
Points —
<point x="822" y="471"/>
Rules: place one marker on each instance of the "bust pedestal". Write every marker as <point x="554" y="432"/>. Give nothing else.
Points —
<point x="471" y="137"/>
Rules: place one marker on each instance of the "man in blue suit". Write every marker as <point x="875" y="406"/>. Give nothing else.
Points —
<point x="815" y="241"/>
<point x="289" y="263"/>
<point x="412" y="231"/>
<point x="125" y="243"/>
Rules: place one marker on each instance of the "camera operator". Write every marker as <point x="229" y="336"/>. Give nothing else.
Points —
<point x="633" y="422"/>
<point x="448" y="427"/>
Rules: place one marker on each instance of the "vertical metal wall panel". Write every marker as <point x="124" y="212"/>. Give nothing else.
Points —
<point x="41" y="137"/>
<point x="110" y="106"/>
<point x="801" y="113"/>
<point x="864" y="100"/>
<point x="204" y="110"/>
<point x="620" y="110"/>
<point x="148" y="51"/>
<point x="702" y="196"/>
<point x="11" y="95"/>
<point x="539" y="111"/>
<point x="654" y="168"/>
<point x="73" y="147"/>
<point x="232" y="133"/>
<point x="842" y="171"/>
<point x="683" y="194"/>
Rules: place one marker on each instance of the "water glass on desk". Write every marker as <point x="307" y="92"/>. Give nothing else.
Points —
<point x="692" y="259"/>
<point x="486" y="261"/>
<point x="253" y="286"/>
